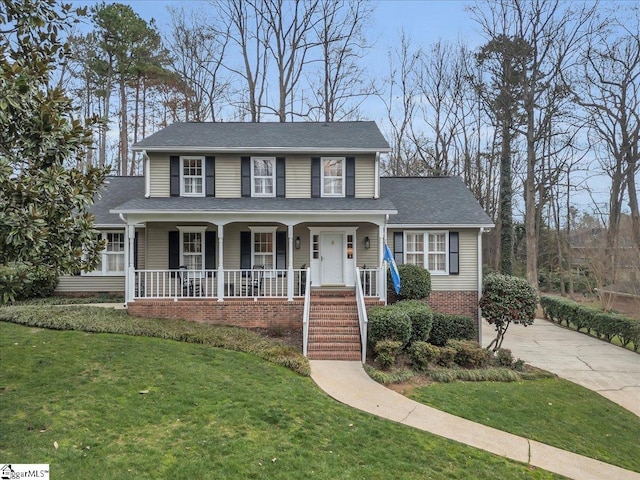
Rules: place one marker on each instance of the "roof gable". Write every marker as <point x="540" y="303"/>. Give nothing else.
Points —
<point x="264" y="137"/>
<point x="115" y="191"/>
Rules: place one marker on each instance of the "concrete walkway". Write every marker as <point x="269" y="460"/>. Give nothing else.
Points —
<point x="348" y="383"/>
<point x="612" y="371"/>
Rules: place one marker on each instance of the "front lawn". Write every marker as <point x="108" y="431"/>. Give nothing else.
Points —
<point x="103" y="406"/>
<point x="550" y="410"/>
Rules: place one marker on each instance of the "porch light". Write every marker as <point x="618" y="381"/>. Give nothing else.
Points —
<point x="367" y="243"/>
<point x="298" y="243"/>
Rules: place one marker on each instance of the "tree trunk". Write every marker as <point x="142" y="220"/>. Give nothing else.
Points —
<point x="124" y="146"/>
<point x="506" y="194"/>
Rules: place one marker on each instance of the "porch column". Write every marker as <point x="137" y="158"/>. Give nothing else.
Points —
<point x="290" y="264"/>
<point x="382" y="271"/>
<point x="130" y="275"/>
<point x="221" y="263"/>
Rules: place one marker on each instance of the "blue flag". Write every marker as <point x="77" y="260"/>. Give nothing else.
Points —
<point x="395" y="275"/>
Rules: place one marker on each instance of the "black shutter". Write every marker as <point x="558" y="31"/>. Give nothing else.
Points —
<point x="281" y="250"/>
<point x="398" y="247"/>
<point x="350" y="190"/>
<point x="209" y="250"/>
<point x="315" y="177"/>
<point x="454" y="253"/>
<point x="135" y="251"/>
<point x="280" y="177"/>
<point x="245" y="173"/>
<point x="245" y="250"/>
<point x="174" y="174"/>
<point x="174" y="251"/>
<point x="210" y="181"/>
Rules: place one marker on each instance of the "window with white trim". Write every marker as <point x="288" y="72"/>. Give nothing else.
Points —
<point x="263" y="176"/>
<point x="112" y="257"/>
<point x="427" y="249"/>
<point x="332" y="176"/>
<point x="263" y="247"/>
<point x="192" y="247"/>
<point x="192" y="176"/>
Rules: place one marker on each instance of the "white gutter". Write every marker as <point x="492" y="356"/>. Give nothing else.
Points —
<point x="438" y="225"/>
<point x="256" y="212"/>
<point x="247" y="150"/>
<point x="147" y="174"/>
<point x="480" y="232"/>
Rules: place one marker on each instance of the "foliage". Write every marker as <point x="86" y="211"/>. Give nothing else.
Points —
<point x="507" y="299"/>
<point x="386" y="351"/>
<point x="415" y="282"/>
<point x="601" y="324"/>
<point x="388" y="323"/>
<point x="469" y="353"/>
<point x="22" y="282"/>
<point x="548" y="410"/>
<point x="104" y="320"/>
<point x="43" y="218"/>
<point x="423" y="354"/>
<point x="446" y="356"/>
<point x="421" y="318"/>
<point x="504" y="358"/>
<point x="390" y="377"/>
<point x="451" y="327"/>
<point x="448" y="375"/>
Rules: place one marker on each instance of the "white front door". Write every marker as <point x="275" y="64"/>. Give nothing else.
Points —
<point x="332" y="258"/>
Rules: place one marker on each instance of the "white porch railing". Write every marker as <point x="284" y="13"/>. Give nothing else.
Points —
<point x="254" y="283"/>
<point x="362" y="314"/>
<point x="306" y="312"/>
<point x="369" y="281"/>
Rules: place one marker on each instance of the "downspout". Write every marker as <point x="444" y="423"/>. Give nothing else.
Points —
<point x="480" y="232"/>
<point x="147" y="174"/>
<point x="376" y="188"/>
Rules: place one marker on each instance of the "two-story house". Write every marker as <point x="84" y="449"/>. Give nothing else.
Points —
<point x="239" y="223"/>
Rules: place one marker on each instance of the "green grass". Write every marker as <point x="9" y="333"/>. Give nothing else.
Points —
<point x="208" y="413"/>
<point x="552" y="411"/>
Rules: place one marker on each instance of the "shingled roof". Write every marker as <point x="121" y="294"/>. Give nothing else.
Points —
<point x="432" y="202"/>
<point x="114" y="192"/>
<point x="342" y="137"/>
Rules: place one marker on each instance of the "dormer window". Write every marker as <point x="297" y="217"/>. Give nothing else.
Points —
<point x="263" y="176"/>
<point x="333" y="177"/>
<point x="192" y="178"/>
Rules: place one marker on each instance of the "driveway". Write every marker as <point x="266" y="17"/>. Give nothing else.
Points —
<point x="612" y="371"/>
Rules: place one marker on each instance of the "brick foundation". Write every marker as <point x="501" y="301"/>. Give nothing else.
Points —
<point x="263" y="313"/>
<point x="453" y="302"/>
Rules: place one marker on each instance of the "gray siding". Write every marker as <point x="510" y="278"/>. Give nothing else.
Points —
<point x="159" y="175"/>
<point x="90" y="284"/>
<point x="228" y="176"/>
<point x="467" y="279"/>
<point x="298" y="177"/>
<point x="365" y="176"/>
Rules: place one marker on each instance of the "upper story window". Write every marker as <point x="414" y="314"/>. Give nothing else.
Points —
<point x="263" y="176"/>
<point x="428" y="249"/>
<point x="332" y="174"/>
<point x="192" y="178"/>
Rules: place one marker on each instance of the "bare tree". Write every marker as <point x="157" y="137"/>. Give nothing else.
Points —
<point x="198" y="44"/>
<point x="608" y="87"/>
<point x="342" y="85"/>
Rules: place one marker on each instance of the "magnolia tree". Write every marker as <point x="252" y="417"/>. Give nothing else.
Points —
<point x="507" y="299"/>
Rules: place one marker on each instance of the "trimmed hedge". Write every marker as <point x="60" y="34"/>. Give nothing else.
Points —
<point x="422" y="354"/>
<point x="415" y="282"/>
<point x="470" y="354"/>
<point x="595" y="322"/>
<point x="388" y="323"/>
<point x="451" y="327"/>
<point x="387" y="350"/>
<point x="421" y="318"/>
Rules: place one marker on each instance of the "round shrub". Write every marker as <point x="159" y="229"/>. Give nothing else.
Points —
<point x="446" y="356"/>
<point x="469" y="354"/>
<point x="451" y="327"/>
<point x="506" y="298"/>
<point x="504" y="358"/>
<point x="421" y="318"/>
<point x="422" y="354"/>
<point x="386" y="351"/>
<point x="388" y="323"/>
<point x="415" y="282"/>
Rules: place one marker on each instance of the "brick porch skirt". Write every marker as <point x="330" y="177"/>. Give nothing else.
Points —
<point x="262" y="313"/>
<point x="453" y="302"/>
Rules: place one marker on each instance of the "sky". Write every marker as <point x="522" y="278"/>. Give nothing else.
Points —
<point x="423" y="21"/>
